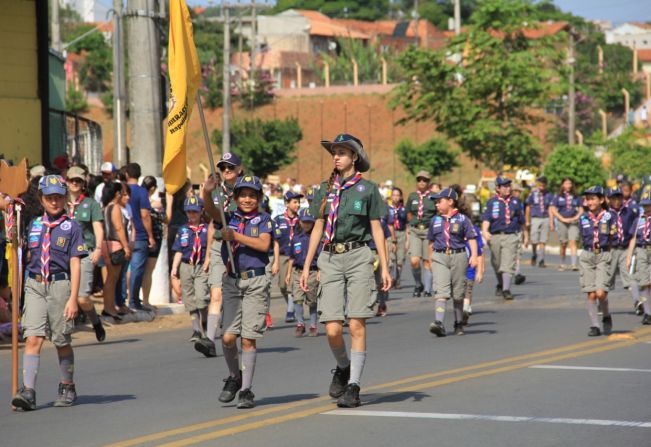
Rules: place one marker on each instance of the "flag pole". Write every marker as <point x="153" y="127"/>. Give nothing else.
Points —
<point x="211" y="161"/>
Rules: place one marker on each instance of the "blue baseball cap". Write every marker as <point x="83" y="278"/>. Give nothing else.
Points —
<point x="447" y="193"/>
<point x="596" y="190"/>
<point x="229" y="158"/>
<point x="614" y="192"/>
<point x="193" y="203"/>
<point x="52" y="184"/>
<point x="310" y="194"/>
<point x="305" y="216"/>
<point x="248" y="181"/>
<point x="501" y="181"/>
<point x="289" y="195"/>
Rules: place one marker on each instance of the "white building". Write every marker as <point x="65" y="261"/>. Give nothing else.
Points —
<point x="89" y="10"/>
<point x="632" y="35"/>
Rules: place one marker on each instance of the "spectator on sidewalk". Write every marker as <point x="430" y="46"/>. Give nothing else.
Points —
<point x="109" y="174"/>
<point x="158" y="221"/>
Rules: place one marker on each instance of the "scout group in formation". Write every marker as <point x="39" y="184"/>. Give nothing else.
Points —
<point x="337" y="258"/>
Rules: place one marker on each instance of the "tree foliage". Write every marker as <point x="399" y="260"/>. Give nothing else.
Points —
<point x="433" y="156"/>
<point x="264" y="146"/>
<point x="75" y="100"/>
<point x="630" y="154"/>
<point x="257" y="93"/>
<point x="486" y="102"/>
<point x="576" y="162"/>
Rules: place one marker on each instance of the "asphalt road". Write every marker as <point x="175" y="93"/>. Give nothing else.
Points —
<point x="525" y="373"/>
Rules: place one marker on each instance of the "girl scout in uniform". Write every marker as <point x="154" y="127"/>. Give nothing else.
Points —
<point x="501" y="224"/>
<point x="245" y="284"/>
<point x="566" y="209"/>
<point x="191" y="265"/>
<point x="56" y="246"/>
<point x="537" y="216"/>
<point x="349" y="208"/>
<point x="298" y="251"/>
<point x="420" y="211"/>
<point x="398" y="220"/>
<point x="87" y="213"/>
<point x="598" y="230"/>
<point x="640" y="246"/>
<point x="448" y="233"/>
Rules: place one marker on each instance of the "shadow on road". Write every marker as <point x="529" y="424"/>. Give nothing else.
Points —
<point x="110" y="342"/>
<point x="281" y="349"/>
<point x="383" y="398"/>
<point x="96" y="399"/>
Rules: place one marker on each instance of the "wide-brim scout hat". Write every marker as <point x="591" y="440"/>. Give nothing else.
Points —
<point x="612" y="192"/>
<point x="516" y="187"/>
<point x="248" y="181"/>
<point x="229" y="159"/>
<point x="305" y="216"/>
<point x="502" y="181"/>
<point x="289" y="195"/>
<point x="52" y="184"/>
<point x="193" y="203"/>
<point x="424" y="174"/>
<point x="447" y="193"/>
<point x="596" y="190"/>
<point x="76" y="172"/>
<point x="354" y="144"/>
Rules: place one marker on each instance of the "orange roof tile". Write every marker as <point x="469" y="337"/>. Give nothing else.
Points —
<point x="642" y="25"/>
<point x="644" y="55"/>
<point x="322" y="25"/>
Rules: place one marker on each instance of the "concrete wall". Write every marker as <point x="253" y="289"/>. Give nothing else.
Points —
<point x="283" y="33"/>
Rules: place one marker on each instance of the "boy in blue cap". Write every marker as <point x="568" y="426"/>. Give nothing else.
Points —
<point x="297" y="255"/>
<point x="190" y="265"/>
<point x="55" y="248"/>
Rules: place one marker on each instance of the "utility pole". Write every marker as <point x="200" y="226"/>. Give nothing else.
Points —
<point x="415" y="15"/>
<point x="226" y="126"/>
<point x="119" y="87"/>
<point x="145" y="103"/>
<point x="56" y="27"/>
<point x="457" y="17"/>
<point x="571" y="96"/>
<point x="254" y="43"/>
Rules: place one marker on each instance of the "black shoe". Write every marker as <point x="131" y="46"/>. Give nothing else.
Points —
<point x="507" y="295"/>
<point x="639" y="308"/>
<point x="437" y="329"/>
<point x="533" y="260"/>
<point x="519" y="279"/>
<point x="498" y="291"/>
<point x="339" y="380"/>
<point x="25" y="399"/>
<point x="594" y="332"/>
<point x="206" y="347"/>
<point x="541" y="264"/>
<point x="417" y="291"/>
<point x="350" y="397"/>
<point x="427" y="294"/>
<point x="245" y="399"/>
<point x="67" y="395"/>
<point x="231" y="386"/>
<point x="196" y="336"/>
<point x="646" y="320"/>
<point x="136" y="305"/>
<point x="458" y="328"/>
<point x="466" y="317"/>
<point x="100" y="333"/>
<point x="607" y="321"/>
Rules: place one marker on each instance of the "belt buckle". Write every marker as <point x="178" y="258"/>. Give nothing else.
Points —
<point x="448" y="251"/>
<point x="597" y="251"/>
<point x="38" y="277"/>
<point x="340" y="248"/>
<point x="245" y="275"/>
<point x="420" y="226"/>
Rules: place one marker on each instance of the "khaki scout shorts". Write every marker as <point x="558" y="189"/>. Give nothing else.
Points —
<point x="418" y="243"/>
<point x="347" y="283"/>
<point x="539" y="230"/>
<point x="309" y="298"/>
<point x="567" y="232"/>
<point x="283" y="263"/>
<point x="504" y="251"/>
<point x="449" y="275"/>
<point x="245" y="306"/>
<point x="398" y="258"/>
<point x="594" y="271"/>
<point x="194" y="286"/>
<point x="217" y="267"/>
<point x="86" y="277"/>
<point x="43" y="313"/>
<point x="643" y="266"/>
<point x="618" y="265"/>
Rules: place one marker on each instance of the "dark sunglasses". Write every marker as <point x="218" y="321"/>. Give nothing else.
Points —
<point x="422" y="179"/>
<point x="226" y="167"/>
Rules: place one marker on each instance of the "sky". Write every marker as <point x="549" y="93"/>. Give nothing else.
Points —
<point x="617" y="11"/>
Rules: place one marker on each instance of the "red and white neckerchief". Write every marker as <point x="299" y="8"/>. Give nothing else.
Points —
<point x="396" y="213"/>
<point x="541" y="198"/>
<point x="243" y="218"/>
<point x="620" y="225"/>
<point x="227" y="195"/>
<point x="73" y="204"/>
<point x="568" y="201"/>
<point x="595" y="227"/>
<point x="334" y="205"/>
<point x="507" y="209"/>
<point x="195" y="256"/>
<point x="446" y="226"/>
<point x="291" y="221"/>
<point x="646" y="232"/>
<point x="45" y="244"/>
<point x="421" y="203"/>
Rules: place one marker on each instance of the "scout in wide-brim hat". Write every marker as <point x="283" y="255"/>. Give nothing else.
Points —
<point x="354" y="144"/>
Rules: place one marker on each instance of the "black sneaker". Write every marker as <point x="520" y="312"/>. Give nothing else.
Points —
<point x="466" y="317"/>
<point x="350" y="397"/>
<point x="639" y="308"/>
<point x="437" y="329"/>
<point x="498" y="291"/>
<point x="245" y="399"/>
<point x="427" y="294"/>
<point x="67" y="395"/>
<point x="646" y="320"/>
<point x="607" y="321"/>
<point x="507" y="295"/>
<point x="541" y="264"/>
<point x="100" y="333"/>
<point x="196" y="336"/>
<point x="206" y="347"/>
<point x="25" y="399"/>
<point x="417" y="291"/>
<point x="458" y="328"/>
<point x="519" y="279"/>
<point x="231" y="386"/>
<point x="339" y="380"/>
<point x="594" y="332"/>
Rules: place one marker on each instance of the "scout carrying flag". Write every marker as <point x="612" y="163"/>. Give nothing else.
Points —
<point x="185" y="77"/>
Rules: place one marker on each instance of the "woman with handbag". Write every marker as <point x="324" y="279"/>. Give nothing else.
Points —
<point x="116" y="249"/>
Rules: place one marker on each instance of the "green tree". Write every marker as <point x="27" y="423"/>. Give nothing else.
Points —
<point x="258" y="93"/>
<point x="630" y="154"/>
<point x="577" y="162"/>
<point x="485" y="103"/>
<point x="433" y="156"/>
<point x="75" y="100"/>
<point x="264" y="146"/>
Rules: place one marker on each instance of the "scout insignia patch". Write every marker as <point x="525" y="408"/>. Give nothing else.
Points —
<point x="604" y="228"/>
<point x="65" y="226"/>
<point x="360" y="188"/>
<point x="254" y="231"/>
<point x="81" y="248"/>
<point x="455" y="227"/>
<point x="357" y="205"/>
<point x="61" y="241"/>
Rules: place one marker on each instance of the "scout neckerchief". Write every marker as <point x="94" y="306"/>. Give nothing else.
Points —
<point x="541" y="199"/>
<point x="227" y="195"/>
<point x="647" y="229"/>
<point x="568" y="200"/>
<point x="507" y="210"/>
<point x="421" y="203"/>
<point x="446" y="226"/>
<point x="620" y="225"/>
<point x="73" y="204"/>
<point x="45" y="245"/>
<point x="196" y="247"/>
<point x="334" y="205"/>
<point x="627" y="202"/>
<point x="242" y="218"/>
<point x="396" y="214"/>
<point x="595" y="227"/>
<point x="292" y="221"/>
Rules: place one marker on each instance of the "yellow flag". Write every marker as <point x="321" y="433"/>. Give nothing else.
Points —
<point x="185" y="77"/>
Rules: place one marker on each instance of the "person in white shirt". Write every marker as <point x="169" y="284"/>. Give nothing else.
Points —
<point x="109" y="174"/>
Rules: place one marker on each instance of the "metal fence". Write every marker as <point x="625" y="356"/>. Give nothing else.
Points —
<point x="76" y="136"/>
